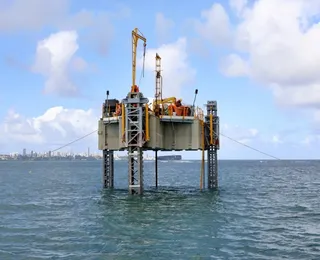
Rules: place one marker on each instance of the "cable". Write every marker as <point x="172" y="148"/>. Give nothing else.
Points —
<point x="230" y="138"/>
<point x="141" y="76"/>
<point x="142" y="71"/>
<point x="75" y="141"/>
<point x="250" y="147"/>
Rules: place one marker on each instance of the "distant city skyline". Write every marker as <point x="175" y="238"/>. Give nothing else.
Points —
<point x="26" y="152"/>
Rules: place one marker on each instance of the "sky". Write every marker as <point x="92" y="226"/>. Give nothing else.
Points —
<point x="259" y="59"/>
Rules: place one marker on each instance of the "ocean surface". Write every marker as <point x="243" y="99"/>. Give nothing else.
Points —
<point x="262" y="210"/>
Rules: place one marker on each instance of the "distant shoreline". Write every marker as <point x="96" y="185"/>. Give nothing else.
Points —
<point x="92" y="159"/>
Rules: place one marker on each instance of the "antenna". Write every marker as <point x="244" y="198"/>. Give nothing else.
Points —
<point x="107" y="105"/>
<point x="194" y="100"/>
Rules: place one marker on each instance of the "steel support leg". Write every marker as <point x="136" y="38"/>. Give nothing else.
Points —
<point x="108" y="169"/>
<point x="212" y="143"/>
<point x="212" y="167"/>
<point x="134" y="136"/>
<point x="135" y="157"/>
<point x="156" y="167"/>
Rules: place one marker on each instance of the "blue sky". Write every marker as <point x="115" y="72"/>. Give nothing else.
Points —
<point x="58" y="58"/>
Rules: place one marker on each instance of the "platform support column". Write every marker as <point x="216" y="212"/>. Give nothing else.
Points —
<point x="156" y="167"/>
<point x="135" y="171"/>
<point x="135" y="139"/>
<point x="212" y="167"/>
<point x="108" y="169"/>
<point x="212" y="143"/>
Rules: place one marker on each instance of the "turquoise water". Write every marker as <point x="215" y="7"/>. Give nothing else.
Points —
<point x="58" y="210"/>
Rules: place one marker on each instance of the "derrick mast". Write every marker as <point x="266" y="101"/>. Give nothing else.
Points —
<point x="158" y="90"/>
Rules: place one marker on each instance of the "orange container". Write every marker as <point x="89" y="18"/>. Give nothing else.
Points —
<point x="179" y="111"/>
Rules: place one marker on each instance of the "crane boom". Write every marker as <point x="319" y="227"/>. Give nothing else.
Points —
<point x="135" y="37"/>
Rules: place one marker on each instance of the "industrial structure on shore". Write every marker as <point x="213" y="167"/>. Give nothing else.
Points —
<point x="167" y="124"/>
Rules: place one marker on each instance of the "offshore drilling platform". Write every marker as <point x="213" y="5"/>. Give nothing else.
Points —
<point x="165" y="125"/>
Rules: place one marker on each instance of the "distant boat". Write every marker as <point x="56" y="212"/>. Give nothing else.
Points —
<point x="125" y="157"/>
<point x="148" y="158"/>
<point x="151" y="158"/>
<point x="169" y="157"/>
<point x="120" y="158"/>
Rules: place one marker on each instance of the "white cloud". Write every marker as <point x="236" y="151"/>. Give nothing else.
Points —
<point x="234" y="66"/>
<point x="79" y="64"/>
<point x="215" y="26"/>
<point x="311" y="141"/>
<point x="240" y="134"/>
<point x="317" y="116"/>
<point x="244" y="142"/>
<point x="31" y="14"/>
<point x="177" y="73"/>
<point x="90" y="23"/>
<point x="276" y="139"/>
<point x="280" y="39"/>
<point x="238" y="5"/>
<point x="56" y="127"/>
<point x="198" y="47"/>
<point x="54" y="58"/>
<point x="20" y="15"/>
<point x="238" y="142"/>
<point x="163" y="27"/>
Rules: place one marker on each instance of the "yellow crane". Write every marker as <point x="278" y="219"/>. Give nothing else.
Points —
<point x="158" y="92"/>
<point x="135" y="38"/>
